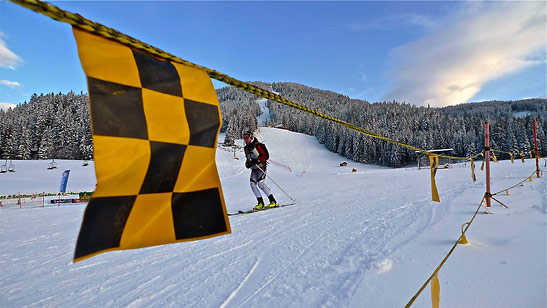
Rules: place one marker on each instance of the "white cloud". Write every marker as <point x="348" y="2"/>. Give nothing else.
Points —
<point x="6" y="106"/>
<point x="393" y="22"/>
<point x="7" y="57"/>
<point x="11" y="84"/>
<point x="421" y="20"/>
<point x="482" y="42"/>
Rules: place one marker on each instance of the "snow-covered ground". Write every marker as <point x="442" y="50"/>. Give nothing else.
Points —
<point x="364" y="239"/>
<point x="34" y="177"/>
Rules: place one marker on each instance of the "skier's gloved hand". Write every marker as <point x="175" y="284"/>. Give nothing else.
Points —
<point x="248" y="164"/>
<point x="254" y="161"/>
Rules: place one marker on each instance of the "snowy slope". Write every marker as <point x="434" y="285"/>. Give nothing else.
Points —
<point x="364" y="239"/>
<point x="265" y="116"/>
<point x="34" y="177"/>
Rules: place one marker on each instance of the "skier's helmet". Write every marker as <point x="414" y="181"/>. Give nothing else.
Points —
<point x="248" y="133"/>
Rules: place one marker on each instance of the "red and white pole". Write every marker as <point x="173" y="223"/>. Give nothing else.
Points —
<point x="487" y="158"/>
<point x="537" y="152"/>
<point x="43" y="199"/>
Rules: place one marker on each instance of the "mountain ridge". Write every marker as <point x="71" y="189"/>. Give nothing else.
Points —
<point x="459" y="127"/>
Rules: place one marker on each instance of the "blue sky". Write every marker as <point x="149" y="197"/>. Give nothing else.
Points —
<point x="437" y="53"/>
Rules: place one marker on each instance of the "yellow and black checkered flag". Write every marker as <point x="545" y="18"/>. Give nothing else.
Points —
<point x="155" y="126"/>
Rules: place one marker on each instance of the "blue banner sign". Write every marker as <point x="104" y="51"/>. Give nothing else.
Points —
<point x="64" y="181"/>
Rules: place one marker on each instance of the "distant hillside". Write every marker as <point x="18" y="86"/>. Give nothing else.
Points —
<point x="239" y="111"/>
<point x="533" y="107"/>
<point x="57" y="125"/>
<point x="458" y="127"/>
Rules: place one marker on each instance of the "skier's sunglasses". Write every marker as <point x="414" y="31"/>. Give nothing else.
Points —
<point x="248" y="137"/>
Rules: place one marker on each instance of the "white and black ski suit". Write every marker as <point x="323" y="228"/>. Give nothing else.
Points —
<point x="255" y="154"/>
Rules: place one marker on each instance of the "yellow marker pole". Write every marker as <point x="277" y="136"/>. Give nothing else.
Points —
<point x="473" y="171"/>
<point x="434" y="163"/>
<point x="435" y="291"/>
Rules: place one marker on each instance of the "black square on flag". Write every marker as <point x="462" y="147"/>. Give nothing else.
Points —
<point x="203" y="120"/>
<point x="116" y="110"/>
<point x="197" y="213"/>
<point x="103" y="224"/>
<point x="164" y="167"/>
<point x="161" y="76"/>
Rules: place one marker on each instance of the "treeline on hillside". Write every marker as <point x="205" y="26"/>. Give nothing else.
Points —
<point x="426" y="128"/>
<point x="239" y="111"/>
<point x="48" y="126"/>
<point x="57" y="125"/>
<point x="533" y="107"/>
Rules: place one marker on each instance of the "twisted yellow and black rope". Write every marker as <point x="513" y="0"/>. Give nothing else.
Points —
<point x="83" y="23"/>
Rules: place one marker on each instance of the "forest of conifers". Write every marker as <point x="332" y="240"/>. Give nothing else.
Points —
<point x="58" y="125"/>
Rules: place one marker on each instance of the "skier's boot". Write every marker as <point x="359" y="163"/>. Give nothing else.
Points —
<point x="273" y="203"/>
<point x="260" y="204"/>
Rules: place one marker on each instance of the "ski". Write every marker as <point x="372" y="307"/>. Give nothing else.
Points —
<point x="264" y="209"/>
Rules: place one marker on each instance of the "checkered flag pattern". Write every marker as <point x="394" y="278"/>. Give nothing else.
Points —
<point x="155" y="126"/>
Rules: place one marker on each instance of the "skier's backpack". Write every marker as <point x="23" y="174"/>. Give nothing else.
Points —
<point x="263" y="146"/>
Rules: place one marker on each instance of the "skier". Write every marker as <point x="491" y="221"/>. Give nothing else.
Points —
<point x="257" y="155"/>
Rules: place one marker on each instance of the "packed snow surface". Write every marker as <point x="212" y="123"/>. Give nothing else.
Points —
<point x="353" y="239"/>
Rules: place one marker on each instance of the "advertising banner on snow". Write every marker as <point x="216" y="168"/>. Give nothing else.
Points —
<point x="64" y="181"/>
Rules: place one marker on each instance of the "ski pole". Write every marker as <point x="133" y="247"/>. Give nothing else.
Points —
<point x="275" y="183"/>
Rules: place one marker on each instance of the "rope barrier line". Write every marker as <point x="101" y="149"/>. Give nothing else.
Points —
<point x="519" y="183"/>
<point x="531" y="153"/>
<point x="499" y="151"/>
<point x="80" y="22"/>
<point x="446" y="257"/>
<point x="461" y="240"/>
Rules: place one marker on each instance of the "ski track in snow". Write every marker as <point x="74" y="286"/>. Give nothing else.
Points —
<point x="240" y="285"/>
<point x="365" y="239"/>
<point x="267" y="283"/>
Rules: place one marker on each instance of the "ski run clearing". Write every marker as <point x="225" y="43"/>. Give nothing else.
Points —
<point x="364" y="239"/>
